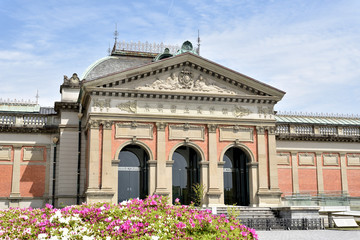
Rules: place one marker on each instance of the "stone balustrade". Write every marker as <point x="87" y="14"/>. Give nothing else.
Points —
<point x="30" y="120"/>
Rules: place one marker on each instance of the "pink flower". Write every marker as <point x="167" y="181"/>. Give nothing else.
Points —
<point x="177" y="200"/>
<point x="49" y="206"/>
<point x="180" y="225"/>
<point x="232" y="228"/>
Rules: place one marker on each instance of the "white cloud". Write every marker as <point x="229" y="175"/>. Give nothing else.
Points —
<point x="310" y="49"/>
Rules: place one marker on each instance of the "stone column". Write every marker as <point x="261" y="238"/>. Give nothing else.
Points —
<point x="262" y="159"/>
<point x="294" y="172"/>
<point x="319" y="173"/>
<point x="343" y="169"/>
<point x="161" y="180"/>
<point x="152" y="176"/>
<point x="220" y="166"/>
<point x="269" y="193"/>
<point x="107" y="173"/>
<point x="204" y="180"/>
<point x="273" y="168"/>
<point x="214" y="192"/>
<point x="94" y="162"/>
<point x="15" y="182"/>
<point x="253" y="182"/>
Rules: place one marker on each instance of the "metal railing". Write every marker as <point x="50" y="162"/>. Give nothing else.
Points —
<point x="332" y="198"/>
<point x="284" y="223"/>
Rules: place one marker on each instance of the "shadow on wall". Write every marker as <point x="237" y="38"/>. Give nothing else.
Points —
<point x="32" y="181"/>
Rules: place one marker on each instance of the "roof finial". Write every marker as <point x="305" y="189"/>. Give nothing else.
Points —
<point x="116" y="34"/>
<point x="37" y="96"/>
<point x="198" y="49"/>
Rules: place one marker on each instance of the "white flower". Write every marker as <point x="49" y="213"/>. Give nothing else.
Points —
<point x="27" y="231"/>
<point x="102" y="208"/>
<point x="42" y="236"/>
<point x="88" y="238"/>
<point x="54" y="238"/>
<point x="64" y="231"/>
<point x="155" y="238"/>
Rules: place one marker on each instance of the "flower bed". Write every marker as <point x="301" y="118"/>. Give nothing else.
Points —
<point x="151" y="218"/>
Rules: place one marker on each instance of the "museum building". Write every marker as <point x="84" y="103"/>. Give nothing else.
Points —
<point x="154" y="119"/>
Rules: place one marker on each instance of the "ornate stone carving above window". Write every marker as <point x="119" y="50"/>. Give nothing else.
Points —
<point x="236" y="133"/>
<point x="131" y="130"/>
<point x="186" y="131"/>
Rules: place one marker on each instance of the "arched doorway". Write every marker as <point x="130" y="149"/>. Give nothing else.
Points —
<point x="132" y="173"/>
<point x="185" y="173"/>
<point x="236" y="177"/>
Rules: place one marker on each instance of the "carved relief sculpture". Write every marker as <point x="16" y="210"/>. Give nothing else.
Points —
<point x="129" y="106"/>
<point x="185" y="82"/>
<point x="186" y="78"/>
<point x="101" y="103"/>
<point x="241" y="111"/>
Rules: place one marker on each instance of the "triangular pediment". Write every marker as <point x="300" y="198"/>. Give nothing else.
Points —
<point x="186" y="73"/>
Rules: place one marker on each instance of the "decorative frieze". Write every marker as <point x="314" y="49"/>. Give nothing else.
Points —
<point x="353" y="159"/>
<point x="306" y="159"/>
<point x="129" y="106"/>
<point x="240" y="111"/>
<point x="130" y="130"/>
<point x="331" y="159"/>
<point x="233" y="133"/>
<point x="101" y="104"/>
<point x="187" y="132"/>
<point x="5" y="153"/>
<point x="33" y="154"/>
<point x="265" y="110"/>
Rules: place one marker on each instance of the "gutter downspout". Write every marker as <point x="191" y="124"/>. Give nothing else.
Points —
<point x="55" y="141"/>
<point x="79" y="158"/>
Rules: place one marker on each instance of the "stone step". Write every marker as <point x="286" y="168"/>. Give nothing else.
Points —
<point x="244" y="212"/>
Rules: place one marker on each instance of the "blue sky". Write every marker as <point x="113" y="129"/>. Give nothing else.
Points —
<point x="308" y="48"/>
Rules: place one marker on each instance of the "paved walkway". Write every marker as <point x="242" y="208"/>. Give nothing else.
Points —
<point x="309" y="235"/>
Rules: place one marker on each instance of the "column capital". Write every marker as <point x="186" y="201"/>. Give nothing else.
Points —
<point x="161" y="126"/>
<point x="260" y="130"/>
<point x="107" y="124"/>
<point x="271" y="130"/>
<point x="94" y="124"/>
<point x="212" y="128"/>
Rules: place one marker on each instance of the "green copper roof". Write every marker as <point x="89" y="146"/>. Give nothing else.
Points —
<point x="321" y="120"/>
